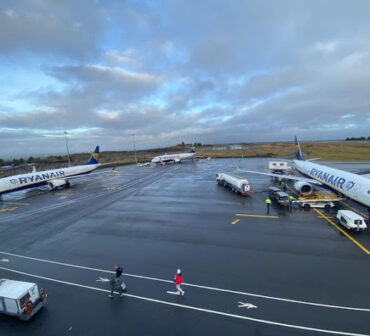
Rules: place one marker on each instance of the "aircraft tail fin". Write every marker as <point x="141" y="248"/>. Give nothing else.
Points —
<point x="298" y="154"/>
<point x="192" y="150"/>
<point x="94" y="158"/>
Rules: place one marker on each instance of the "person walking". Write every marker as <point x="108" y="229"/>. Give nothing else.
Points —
<point x="116" y="284"/>
<point x="178" y="281"/>
<point x="119" y="271"/>
<point x="268" y="202"/>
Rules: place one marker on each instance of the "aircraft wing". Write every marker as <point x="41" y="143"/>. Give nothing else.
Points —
<point x="285" y="177"/>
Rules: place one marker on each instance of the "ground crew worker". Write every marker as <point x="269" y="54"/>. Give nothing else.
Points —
<point x="268" y="202"/>
<point x="291" y="199"/>
<point x="178" y="281"/>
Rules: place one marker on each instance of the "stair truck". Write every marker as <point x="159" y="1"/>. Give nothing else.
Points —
<point x="236" y="183"/>
<point x="21" y="299"/>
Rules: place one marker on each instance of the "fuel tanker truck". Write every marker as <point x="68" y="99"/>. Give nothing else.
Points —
<point x="236" y="183"/>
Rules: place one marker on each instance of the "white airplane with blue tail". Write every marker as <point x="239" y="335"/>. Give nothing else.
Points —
<point x="353" y="186"/>
<point x="55" y="178"/>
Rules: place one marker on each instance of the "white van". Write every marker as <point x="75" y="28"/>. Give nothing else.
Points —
<point x="21" y="299"/>
<point x="351" y="220"/>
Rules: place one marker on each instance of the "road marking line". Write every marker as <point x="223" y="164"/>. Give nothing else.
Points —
<point x="210" y="311"/>
<point x="18" y="203"/>
<point x="344" y="232"/>
<point x="174" y="293"/>
<point x="193" y="285"/>
<point x="8" y="209"/>
<point x="258" y="216"/>
<point x="150" y="178"/>
<point x="354" y="209"/>
<point x="246" y="305"/>
<point x="235" y="221"/>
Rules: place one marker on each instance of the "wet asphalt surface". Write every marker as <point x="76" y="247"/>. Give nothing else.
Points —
<point x="154" y="220"/>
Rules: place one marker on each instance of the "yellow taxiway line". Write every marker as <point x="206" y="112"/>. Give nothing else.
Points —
<point x="235" y="221"/>
<point x="363" y="248"/>
<point x="258" y="216"/>
<point x="8" y="209"/>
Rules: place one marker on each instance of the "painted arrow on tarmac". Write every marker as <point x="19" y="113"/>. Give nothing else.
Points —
<point x="4" y="260"/>
<point x="103" y="279"/>
<point x="246" y="305"/>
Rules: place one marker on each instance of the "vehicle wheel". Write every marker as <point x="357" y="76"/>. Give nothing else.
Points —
<point x="306" y="206"/>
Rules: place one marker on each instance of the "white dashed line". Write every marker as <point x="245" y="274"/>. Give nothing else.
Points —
<point x="194" y="285"/>
<point x="335" y="332"/>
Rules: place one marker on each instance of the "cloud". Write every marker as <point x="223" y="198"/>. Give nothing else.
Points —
<point x="182" y="70"/>
<point x="64" y="29"/>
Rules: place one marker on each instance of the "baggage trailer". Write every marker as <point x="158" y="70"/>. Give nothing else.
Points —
<point x="20" y="299"/>
<point x="318" y="200"/>
<point x="236" y="183"/>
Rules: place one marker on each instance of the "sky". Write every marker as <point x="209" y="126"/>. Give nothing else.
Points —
<point x="209" y="71"/>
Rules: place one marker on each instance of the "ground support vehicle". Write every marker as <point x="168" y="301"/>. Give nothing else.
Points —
<point x="21" y="299"/>
<point x="236" y="183"/>
<point x="351" y="220"/>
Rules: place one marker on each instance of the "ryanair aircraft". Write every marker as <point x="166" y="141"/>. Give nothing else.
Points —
<point x="55" y="178"/>
<point x="173" y="158"/>
<point x="353" y="186"/>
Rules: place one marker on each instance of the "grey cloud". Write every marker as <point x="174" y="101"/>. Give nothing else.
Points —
<point x="68" y="28"/>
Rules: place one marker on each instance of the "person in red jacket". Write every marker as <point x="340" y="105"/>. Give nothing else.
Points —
<point x="178" y="280"/>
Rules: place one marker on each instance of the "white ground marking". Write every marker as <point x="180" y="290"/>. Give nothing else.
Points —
<point x="102" y="279"/>
<point x="246" y="305"/>
<point x="174" y="293"/>
<point x="4" y="260"/>
<point x="193" y="285"/>
<point x="210" y="311"/>
<point x="129" y="184"/>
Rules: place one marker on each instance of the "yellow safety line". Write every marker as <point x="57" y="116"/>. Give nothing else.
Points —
<point x="235" y="221"/>
<point x="344" y="232"/>
<point x="8" y="209"/>
<point x="18" y="203"/>
<point x="259" y="216"/>
<point x="354" y="209"/>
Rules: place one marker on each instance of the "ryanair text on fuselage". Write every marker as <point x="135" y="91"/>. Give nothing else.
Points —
<point x="37" y="177"/>
<point x="332" y="179"/>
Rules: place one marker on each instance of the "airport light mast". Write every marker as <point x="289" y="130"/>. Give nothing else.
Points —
<point x="134" y="148"/>
<point x="69" y="160"/>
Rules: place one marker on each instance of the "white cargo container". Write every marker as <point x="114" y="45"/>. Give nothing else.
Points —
<point x="278" y="167"/>
<point x="21" y="299"/>
<point x="236" y="183"/>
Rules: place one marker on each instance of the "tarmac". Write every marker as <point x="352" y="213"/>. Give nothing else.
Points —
<point x="246" y="271"/>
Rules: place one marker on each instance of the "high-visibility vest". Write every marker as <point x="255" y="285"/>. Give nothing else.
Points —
<point x="268" y="201"/>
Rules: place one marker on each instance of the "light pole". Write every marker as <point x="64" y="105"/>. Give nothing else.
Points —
<point x="134" y="148"/>
<point x="69" y="160"/>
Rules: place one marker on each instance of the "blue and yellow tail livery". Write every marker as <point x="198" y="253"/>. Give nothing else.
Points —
<point x="94" y="158"/>
<point x="298" y="154"/>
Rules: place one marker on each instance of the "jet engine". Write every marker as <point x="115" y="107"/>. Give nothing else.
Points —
<point x="177" y="161"/>
<point x="58" y="184"/>
<point x="303" y="188"/>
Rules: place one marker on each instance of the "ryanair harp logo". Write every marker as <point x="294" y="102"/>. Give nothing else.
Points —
<point x="95" y="156"/>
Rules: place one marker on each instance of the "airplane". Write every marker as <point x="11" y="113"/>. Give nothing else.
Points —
<point x="55" y="178"/>
<point x="353" y="186"/>
<point x="143" y="164"/>
<point x="173" y="158"/>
